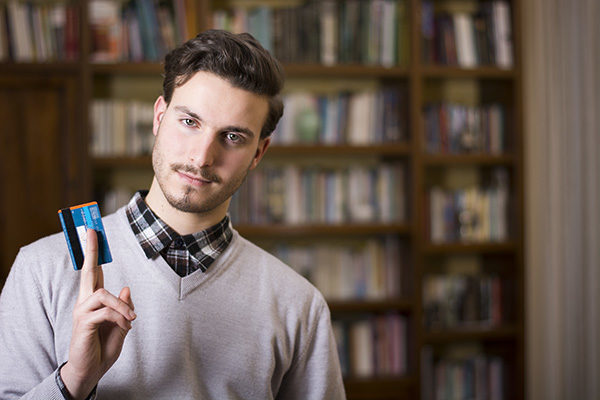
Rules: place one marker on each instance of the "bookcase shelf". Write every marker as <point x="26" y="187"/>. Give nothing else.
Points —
<point x="487" y="334"/>
<point x="139" y="68"/>
<point x="470" y="248"/>
<point x="445" y="72"/>
<point x="346" y="71"/>
<point x="445" y="160"/>
<point x="40" y="68"/>
<point x="403" y="387"/>
<point x="398" y="150"/>
<point x="346" y="229"/>
<point x="403" y="306"/>
<point x="420" y="84"/>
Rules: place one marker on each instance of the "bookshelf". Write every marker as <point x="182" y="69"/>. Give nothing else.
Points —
<point x="422" y="82"/>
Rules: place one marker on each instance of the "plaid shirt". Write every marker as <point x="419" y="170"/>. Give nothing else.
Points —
<point x="185" y="254"/>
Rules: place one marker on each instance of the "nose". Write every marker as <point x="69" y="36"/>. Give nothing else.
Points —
<point x="204" y="149"/>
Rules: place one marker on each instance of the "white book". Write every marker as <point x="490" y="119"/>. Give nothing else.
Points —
<point x="436" y="200"/>
<point x="293" y="196"/>
<point x="329" y="35"/>
<point x="361" y="118"/>
<point x="389" y="28"/>
<point x="19" y="32"/>
<point x="502" y="34"/>
<point x="362" y="349"/>
<point x="465" y="40"/>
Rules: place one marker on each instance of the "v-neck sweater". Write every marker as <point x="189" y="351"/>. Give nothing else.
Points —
<point x="248" y="328"/>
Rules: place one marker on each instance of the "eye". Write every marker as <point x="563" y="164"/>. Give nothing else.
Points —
<point x="188" y="122"/>
<point x="233" y="137"/>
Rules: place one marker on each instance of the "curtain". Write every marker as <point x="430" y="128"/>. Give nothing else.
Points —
<point x="561" y="83"/>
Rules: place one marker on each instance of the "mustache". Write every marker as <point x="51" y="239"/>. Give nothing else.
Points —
<point x="203" y="172"/>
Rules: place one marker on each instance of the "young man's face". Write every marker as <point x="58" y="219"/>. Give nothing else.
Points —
<point x="207" y="139"/>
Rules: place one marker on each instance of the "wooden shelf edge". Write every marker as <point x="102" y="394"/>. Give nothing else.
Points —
<point x="39" y="67"/>
<point x="451" y="71"/>
<point x="507" y="332"/>
<point x="319" y="229"/>
<point x="344" y="70"/>
<point x="395" y="149"/>
<point x="467" y="159"/>
<point x="370" y="305"/>
<point x="486" y="247"/>
<point x="400" y="387"/>
<point x="126" y="68"/>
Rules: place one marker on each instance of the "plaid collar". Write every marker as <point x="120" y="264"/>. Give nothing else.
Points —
<point x="158" y="238"/>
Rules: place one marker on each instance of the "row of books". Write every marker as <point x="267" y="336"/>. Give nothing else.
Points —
<point x="473" y="214"/>
<point x="451" y="301"/>
<point x="138" y="30"/>
<point x="452" y="128"/>
<point x="467" y="377"/>
<point x="326" y="32"/>
<point x="121" y="127"/>
<point x="370" y="269"/>
<point x="374" y="345"/>
<point x="33" y="31"/>
<point x="359" y="118"/>
<point x="468" y="40"/>
<point x="294" y="194"/>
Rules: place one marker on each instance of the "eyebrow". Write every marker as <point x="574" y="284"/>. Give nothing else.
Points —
<point x="231" y="128"/>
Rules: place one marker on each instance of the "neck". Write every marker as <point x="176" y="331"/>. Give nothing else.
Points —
<point x="182" y="222"/>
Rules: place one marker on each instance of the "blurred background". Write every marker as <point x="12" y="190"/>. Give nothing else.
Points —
<point x="435" y="173"/>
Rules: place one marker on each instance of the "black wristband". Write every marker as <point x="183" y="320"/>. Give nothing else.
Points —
<point x="63" y="388"/>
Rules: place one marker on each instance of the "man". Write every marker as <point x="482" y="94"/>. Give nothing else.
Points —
<point x="215" y="317"/>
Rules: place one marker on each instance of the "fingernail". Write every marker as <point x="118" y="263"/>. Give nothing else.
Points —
<point x="132" y="315"/>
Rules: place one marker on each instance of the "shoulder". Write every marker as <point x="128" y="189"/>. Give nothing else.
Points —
<point x="278" y="279"/>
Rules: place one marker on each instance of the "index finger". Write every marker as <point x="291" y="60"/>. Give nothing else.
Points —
<point x="91" y="272"/>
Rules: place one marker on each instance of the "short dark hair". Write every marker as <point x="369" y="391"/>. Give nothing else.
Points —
<point x="237" y="58"/>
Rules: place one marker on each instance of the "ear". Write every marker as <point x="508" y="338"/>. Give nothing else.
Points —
<point x="263" y="144"/>
<point x="160" y="107"/>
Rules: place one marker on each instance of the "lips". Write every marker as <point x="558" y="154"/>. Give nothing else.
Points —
<point x="192" y="179"/>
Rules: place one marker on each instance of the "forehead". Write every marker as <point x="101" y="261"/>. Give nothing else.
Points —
<point x="219" y="103"/>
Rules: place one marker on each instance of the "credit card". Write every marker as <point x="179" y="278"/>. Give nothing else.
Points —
<point x="75" y="221"/>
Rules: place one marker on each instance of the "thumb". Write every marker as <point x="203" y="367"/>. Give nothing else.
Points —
<point x="125" y="296"/>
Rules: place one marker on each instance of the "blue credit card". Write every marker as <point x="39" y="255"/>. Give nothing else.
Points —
<point x="75" y="221"/>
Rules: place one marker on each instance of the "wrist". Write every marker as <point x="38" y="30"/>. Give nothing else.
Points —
<point x="77" y="386"/>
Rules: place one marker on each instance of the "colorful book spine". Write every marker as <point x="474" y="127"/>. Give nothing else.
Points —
<point x="372" y="345"/>
<point x="370" y="270"/>
<point x="468" y="40"/>
<point x="324" y="33"/>
<point x="358" y="194"/>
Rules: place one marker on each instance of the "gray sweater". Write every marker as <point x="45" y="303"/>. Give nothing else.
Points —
<point x="248" y="328"/>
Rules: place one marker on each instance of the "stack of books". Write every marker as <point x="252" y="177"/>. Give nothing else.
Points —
<point x="326" y="32"/>
<point x="472" y="214"/>
<point x="138" y="30"/>
<point x="374" y="345"/>
<point x="468" y="40"/>
<point x="452" y="128"/>
<point x="367" y="270"/>
<point x="469" y="376"/>
<point x="33" y="31"/>
<point x="355" y="118"/>
<point x="461" y="301"/>
<point x="292" y="194"/>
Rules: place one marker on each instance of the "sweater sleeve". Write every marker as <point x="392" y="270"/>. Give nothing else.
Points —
<point x="316" y="373"/>
<point x="27" y="356"/>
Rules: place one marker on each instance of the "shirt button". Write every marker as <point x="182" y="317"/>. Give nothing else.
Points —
<point x="178" y="243"/>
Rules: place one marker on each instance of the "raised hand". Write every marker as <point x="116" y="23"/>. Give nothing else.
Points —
<point x="100" y="323"/>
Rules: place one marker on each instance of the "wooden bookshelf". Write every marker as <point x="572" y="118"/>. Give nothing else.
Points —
<point x="417" y="78"/>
